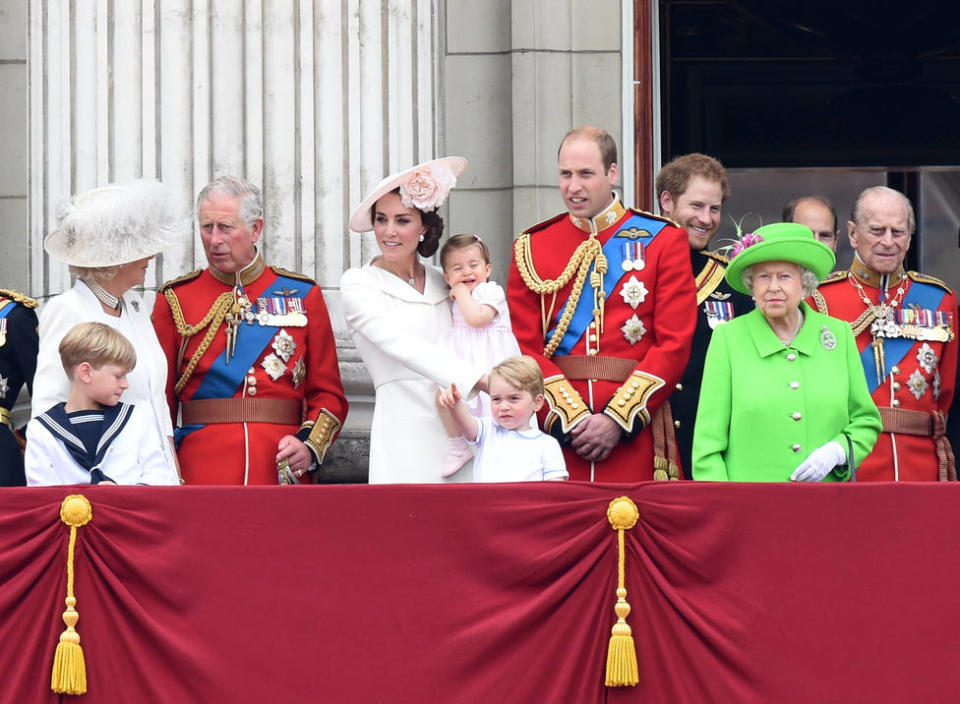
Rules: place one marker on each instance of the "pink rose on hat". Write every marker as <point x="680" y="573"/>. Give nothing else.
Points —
<point x="428" y="187"/>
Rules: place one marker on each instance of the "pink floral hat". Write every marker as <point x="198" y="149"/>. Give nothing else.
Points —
<point x="425" y="187"/>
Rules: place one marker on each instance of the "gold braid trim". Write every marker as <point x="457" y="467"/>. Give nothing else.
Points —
<point x="212" y="321"/>
<point x="630" y="401"/>
<point x="565" y="404"/>
<point x="321" y="433"/>
<point x="586" y="253"/>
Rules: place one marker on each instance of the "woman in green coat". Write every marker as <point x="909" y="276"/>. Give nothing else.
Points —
<point x="784" y="394"/>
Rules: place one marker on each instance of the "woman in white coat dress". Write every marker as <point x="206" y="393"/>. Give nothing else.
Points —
<point x="108" y="236"/>
<point x="396" y="308"/>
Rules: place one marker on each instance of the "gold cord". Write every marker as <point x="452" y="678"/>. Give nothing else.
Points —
<point x="212" y="321"/>
<point x="586" y="253"/>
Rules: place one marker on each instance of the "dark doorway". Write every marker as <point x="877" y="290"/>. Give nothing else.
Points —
<point x="814" y="83"/>
<point x="801" y="92"/>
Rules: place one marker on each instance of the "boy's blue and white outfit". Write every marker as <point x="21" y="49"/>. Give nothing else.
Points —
<point x="87" y="447"/>
<point x="516" y="455"/>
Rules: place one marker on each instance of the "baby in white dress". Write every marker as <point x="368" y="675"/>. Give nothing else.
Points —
<point x="481" y="331"/>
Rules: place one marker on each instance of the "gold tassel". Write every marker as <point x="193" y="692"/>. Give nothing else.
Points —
<point x="69" y="674"/>
<point x="660" y="469"/>
<point x="674" y="472"/>
<point x="622" y="668"/>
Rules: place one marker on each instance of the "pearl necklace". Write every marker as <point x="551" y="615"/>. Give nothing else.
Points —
<point x="104" y="296"/>
<point x="796" y="331"/>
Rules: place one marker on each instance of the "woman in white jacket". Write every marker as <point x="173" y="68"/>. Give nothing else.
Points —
<point x="108" y="236"/>
<point x="396" y="308"/>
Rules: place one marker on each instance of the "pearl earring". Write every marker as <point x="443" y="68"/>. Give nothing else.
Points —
<point x="421" y="237"/>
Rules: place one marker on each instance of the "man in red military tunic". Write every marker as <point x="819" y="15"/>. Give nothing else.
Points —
<point x="904" y="323"/>
<point x="252" y="359"/>
<point x="603" y="297"/>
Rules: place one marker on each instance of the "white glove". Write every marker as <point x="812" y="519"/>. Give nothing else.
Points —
<point x="819" y="463"/>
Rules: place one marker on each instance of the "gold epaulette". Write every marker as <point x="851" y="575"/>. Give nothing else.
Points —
<point x="21" y="298"/>
<point x="564" y="402"/>
<point x="180" y="279"/>
<point x="716" y="256"/>
<point x="654" y="216"/>
<point x="321" y="433"/>
<point x="927" y="279"/>
<point x="839" y="275"/>
<point x="280" y="271"/>
<point x="631" y="398"/>
<point x="545" y="223"/>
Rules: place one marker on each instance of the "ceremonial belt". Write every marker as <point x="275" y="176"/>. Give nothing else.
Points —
<point x="241" y="410"/>
<point x="901" y="420"/>
<point x="595" y="366"/>
<point x="6" y="418"/>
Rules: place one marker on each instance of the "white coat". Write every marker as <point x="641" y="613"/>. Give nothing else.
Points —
<point x="396" y="330"/>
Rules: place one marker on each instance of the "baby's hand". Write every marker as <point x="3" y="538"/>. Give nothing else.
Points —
<point x="457" y="290"/>
<point x="448" y="398"/>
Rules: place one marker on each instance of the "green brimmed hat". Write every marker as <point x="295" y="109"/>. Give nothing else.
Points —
<point x="779" y="242"/>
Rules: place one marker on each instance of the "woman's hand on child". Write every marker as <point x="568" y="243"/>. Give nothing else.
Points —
<point x="448" y="398"/>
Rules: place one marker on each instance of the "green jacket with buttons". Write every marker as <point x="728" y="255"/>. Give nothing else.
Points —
<point x="764" y="407"/>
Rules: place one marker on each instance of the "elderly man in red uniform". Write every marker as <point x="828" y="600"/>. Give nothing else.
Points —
<point x="905" y="325"/>
<point x="604" y="298"/>
<point x="252" y="359"/>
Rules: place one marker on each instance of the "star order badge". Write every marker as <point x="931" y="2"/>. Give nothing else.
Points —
<point x="633" y="329"/>
<point x="633" y="292"/>
<point x="4" y="386"/>
<point x="299" y="373"/>
<point x="927" y="358"/>
<point x="936" y="385"/>
<point x="274" y="366"/>
<point x="284" y="345"/>
<point x="917" y="384"/>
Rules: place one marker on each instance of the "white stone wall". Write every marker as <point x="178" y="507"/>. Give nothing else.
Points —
<point x="517" y="75"/>
<point x="315" y="100"/>
<point x="14" y="242"/>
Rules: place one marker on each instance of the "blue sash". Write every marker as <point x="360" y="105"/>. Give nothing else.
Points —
<point x="613" y="251"/>
<point x="896" y="348"/>
<point x="223" y="380"/>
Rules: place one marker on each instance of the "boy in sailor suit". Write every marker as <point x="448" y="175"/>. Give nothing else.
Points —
<point x="92" y="438"/>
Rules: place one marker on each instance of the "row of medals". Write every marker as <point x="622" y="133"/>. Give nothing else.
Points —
<point x="633" y="257"/>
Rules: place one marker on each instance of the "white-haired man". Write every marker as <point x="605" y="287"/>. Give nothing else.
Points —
<point x="252" y="359"/>
<point x="905" y="325"/>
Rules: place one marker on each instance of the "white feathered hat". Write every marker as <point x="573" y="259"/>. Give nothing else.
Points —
<point x="424" y="186"/>
<point x="117" y="224"/>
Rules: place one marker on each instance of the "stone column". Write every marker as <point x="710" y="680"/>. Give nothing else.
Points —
<point x="517" y="75"/>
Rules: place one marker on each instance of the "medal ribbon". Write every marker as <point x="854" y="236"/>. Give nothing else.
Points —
<point x="895" y="349"/>
<point x="615" y="254"/>
<point x="223" y="380"/>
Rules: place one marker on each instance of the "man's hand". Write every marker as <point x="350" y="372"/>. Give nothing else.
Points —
<point x="298" y="455"/>
<point x="595" y="437"/>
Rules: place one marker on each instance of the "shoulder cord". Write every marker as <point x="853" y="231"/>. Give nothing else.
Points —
<point x="212" y="321"/>
<point x="584" y="256"/>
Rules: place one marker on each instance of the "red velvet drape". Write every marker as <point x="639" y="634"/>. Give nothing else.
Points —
<point x="468" y="594"/>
